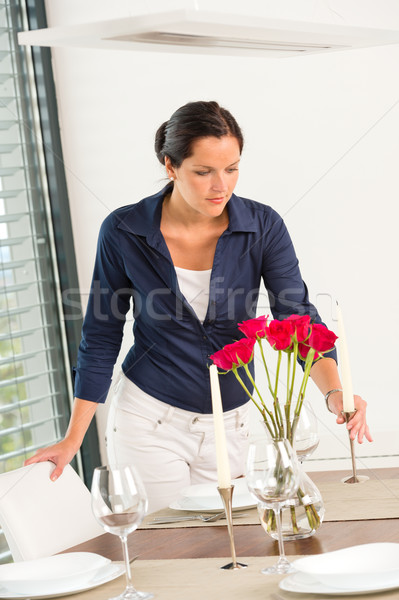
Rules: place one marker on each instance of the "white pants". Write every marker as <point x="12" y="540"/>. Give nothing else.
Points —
<point x="170" y="447"/>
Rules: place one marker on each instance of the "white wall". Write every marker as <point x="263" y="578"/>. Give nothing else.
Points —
<point x="321" y="148"/>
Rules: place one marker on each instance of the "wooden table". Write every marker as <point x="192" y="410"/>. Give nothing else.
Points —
<point x="250" y="540"/>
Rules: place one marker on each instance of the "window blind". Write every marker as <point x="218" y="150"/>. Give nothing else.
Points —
<point x="35" y="388"/>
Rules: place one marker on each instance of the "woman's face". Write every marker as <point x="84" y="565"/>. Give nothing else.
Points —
<point x="205" y="181"/>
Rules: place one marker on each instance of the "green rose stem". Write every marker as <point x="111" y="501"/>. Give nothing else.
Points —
<point x="270" y="519"/>
<point x="263" y="410"/>
<point x="290" y="388"/>
<point x="308" y="366"/>
<point x="276" y="404"/>
<point x="311" y="513"/>
<point x="288" y="379"/>
<point x="269" y="384"/>
<point x="294" y="522"/>
<point x="287" y="405"/>
<point x="265" y="365"/>
<point x="272" y="417"/>
<point x="302" y="390"/>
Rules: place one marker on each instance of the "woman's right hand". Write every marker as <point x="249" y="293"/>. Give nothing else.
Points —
<point x="60" y="454"/>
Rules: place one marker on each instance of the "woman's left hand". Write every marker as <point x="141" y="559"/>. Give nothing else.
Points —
<point x="357" y="425"/>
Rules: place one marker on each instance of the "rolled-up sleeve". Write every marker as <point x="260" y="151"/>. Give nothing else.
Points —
<point x="102" y="331"/>
<point x="287" y="291"/>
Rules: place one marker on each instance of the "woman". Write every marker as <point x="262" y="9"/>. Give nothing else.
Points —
<point x="192" y="258"/>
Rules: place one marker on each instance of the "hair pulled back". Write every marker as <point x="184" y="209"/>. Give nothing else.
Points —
<point x="190" y="122"/>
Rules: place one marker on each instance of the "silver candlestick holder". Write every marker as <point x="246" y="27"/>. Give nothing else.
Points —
<point x="354" y="478"/>
<point x="227" y="496"/>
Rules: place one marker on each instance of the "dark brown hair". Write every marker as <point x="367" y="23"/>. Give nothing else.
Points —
<point x="190" y="122"/>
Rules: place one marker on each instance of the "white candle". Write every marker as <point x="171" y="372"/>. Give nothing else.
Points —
<point x="349" y="405"/>
<point x="222" y="458"/>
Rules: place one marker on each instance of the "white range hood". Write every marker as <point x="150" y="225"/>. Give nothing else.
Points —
<point x="206" y="32"/>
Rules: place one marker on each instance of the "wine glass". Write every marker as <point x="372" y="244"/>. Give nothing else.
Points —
<point x="273" y="477"/>
<point x="119" y="503"/>
<point x="306" y="437"/>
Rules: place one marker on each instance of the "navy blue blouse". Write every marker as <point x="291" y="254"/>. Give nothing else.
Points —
<point x="170" y="356"/>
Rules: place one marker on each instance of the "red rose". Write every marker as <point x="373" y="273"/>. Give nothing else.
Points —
<point x="302" y="326"/>
<point x="303" y="351"/>
<point x="231" y="355"/>
<point x="254" y="327"/>
<point x="279" y="334"/>
<point x="321" y="338"/>
<point x="222" y="359"/>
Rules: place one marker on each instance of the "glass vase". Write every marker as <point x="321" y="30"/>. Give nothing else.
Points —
<point x="306" y="435"/>
<point x="301" y="516"/>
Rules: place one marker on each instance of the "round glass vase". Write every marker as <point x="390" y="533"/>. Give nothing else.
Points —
<point x="306" y="435"/>
<point x="302" y="515"/>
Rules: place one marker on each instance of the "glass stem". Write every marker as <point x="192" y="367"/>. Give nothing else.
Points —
<point x="277" y="512"/>
<point x="128" y="572"/>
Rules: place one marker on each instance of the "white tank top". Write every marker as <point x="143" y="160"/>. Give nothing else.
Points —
<point x="194" y="285"/>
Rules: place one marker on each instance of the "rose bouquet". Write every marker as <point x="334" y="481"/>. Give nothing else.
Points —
<point x="295" y="337"/>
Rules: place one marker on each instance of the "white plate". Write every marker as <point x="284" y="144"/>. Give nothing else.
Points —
<point x="211" y="504"/>
<point x="210" y="489"/>
<point x="39" y="575"/>
<point x="354" y="567"/>
<point x="305" y="584"/>
<point x="205" y="497"/>
<point x="101" y="575"/>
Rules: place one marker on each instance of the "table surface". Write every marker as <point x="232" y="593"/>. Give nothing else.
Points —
<point x="250" y="540"/>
